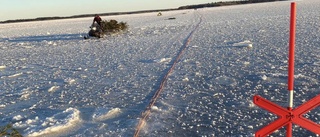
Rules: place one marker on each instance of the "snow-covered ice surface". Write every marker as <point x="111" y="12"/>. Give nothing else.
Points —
<point x="54" y="83"/>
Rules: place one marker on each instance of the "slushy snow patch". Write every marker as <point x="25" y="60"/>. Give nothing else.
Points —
<point x="228" y="59"/>
<point x="17" y="118"/>
<point x="163" y="60"/>
<point x="53" y="88"/>
<point x="57" y="124"/>
<point x="102" y="114"/>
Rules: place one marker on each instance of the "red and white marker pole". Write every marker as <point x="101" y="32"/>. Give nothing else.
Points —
<point x="289" y="116"/>
<point x="291" y="62"/>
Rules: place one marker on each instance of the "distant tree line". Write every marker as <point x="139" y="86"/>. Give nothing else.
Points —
<point x="82" y="16"/>
<point x="227" y="3"/>
<point x="36" y="19"/>
<point x="216" y="4"/>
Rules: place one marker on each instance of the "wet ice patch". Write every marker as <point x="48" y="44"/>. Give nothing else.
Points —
<point x="57" y="125"/>
<point x="102" y="114"/>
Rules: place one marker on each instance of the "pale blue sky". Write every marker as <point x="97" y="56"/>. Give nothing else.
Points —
<point x="26" y="9"/>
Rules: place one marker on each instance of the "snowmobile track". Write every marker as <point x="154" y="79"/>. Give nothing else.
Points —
<point x="147" y="111"/>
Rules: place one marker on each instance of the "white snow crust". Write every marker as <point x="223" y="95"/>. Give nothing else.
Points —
<point x="55" y="83"/>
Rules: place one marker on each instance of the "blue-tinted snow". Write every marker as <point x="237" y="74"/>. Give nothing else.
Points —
<point x="54" y="83"/>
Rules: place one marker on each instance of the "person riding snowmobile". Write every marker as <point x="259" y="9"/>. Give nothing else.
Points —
<point x="97" y="19"/>
<point x="96" y="28"/>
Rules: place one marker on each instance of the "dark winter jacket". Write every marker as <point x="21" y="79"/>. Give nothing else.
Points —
<point x="97" y="19"/>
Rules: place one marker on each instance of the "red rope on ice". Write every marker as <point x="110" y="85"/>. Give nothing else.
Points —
<point x="147" y="112"/>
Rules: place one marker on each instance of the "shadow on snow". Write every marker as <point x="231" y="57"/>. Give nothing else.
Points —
<point x="58" y="37"/>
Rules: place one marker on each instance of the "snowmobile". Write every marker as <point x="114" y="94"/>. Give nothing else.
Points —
<point x="107" y="28"/>
<point x="95" y="31"/>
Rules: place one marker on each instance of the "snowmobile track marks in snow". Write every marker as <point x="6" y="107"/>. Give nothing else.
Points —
<point x="147" y="111"/>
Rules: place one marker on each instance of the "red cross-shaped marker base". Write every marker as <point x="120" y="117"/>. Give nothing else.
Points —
<point x="286" y="116"/>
